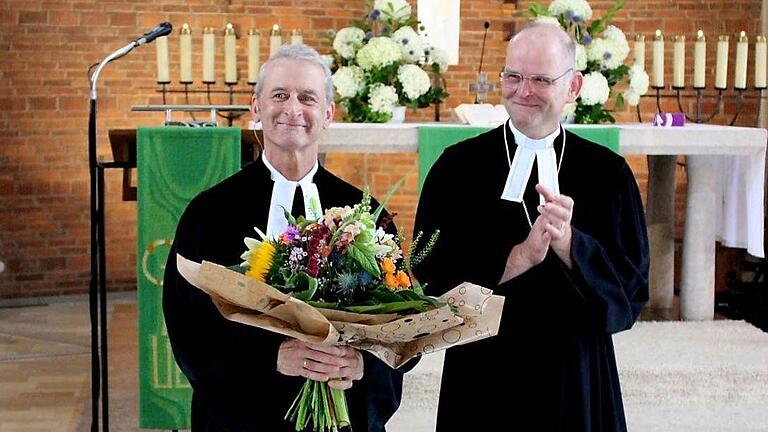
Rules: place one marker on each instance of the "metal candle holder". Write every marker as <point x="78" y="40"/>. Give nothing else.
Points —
<point x="698" y="117"/>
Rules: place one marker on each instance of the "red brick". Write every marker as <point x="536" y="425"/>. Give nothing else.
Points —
<point x="29" y="17"/>
<point x="122" y="19"/>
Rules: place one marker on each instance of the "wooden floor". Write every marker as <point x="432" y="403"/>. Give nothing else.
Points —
<point x="45" y="366"/>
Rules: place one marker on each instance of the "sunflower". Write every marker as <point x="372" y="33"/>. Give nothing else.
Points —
<point x="260" y="260"/>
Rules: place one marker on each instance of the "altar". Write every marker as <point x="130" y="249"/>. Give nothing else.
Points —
<point x="726" y="177"/>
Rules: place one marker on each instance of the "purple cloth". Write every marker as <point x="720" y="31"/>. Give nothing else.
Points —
<point x="669" y="119"/>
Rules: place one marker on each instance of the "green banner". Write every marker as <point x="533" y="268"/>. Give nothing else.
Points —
<point x="174" y="165"/>
<point x="434" y="139"/>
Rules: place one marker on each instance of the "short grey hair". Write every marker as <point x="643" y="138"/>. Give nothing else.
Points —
<point x="568" y="44"/>
<point x="297" y="52"/>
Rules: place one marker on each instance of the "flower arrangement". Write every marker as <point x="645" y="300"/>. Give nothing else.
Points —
<point x="600" y="53"/>
<point x="342" y="261"/>
<point x="381" y="62"/>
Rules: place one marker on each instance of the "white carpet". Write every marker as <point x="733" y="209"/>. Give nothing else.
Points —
<point x="676" y="376"/>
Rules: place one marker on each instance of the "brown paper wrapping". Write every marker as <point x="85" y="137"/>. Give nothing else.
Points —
<point x="393" y="338"/>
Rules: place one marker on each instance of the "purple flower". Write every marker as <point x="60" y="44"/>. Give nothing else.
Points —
<point x="291" y="234"/>
<point x="586" y="39"/>
<point x="374" y="15"/>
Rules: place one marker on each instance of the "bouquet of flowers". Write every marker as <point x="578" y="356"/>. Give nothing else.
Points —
<point x="600" y="53"/>
<point x="342" y="279"/>
<point x="342" y="262"/>
<point x="381" y="62"/>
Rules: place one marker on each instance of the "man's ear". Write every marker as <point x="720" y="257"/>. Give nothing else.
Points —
<point x="574" y="88"/>
<point x="329" y="111"/>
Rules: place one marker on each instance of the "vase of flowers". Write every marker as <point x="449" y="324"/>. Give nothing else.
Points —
<point x="600" y="53"/>
<point x="382" y="62"/>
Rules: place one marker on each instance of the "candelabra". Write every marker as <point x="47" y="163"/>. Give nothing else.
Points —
<point x="229" y="115"/>
<point x="719" y="96"/>
<point x="739" y="92"/>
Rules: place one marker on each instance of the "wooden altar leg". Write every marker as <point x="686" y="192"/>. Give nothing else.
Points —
<point x="660" y="217"/>
<point x="697" y="281"/>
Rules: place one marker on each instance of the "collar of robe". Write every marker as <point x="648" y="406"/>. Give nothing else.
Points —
<point x="529" y="150"/>
<point x="283" y="192"/>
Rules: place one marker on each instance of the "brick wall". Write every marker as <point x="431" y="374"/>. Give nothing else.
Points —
<point x="47" y="46"/>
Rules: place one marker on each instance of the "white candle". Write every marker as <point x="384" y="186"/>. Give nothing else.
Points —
<point x="253" y="56"/>
<point x="639" y="59"/>
<point x="230" y="55"/>
<point x="658" y="60"/>
<point x="699" y="61"/>
<point x="740" y="80"/>
<point x="163" y="73"/>
<point x="275" y="39"/>
<point x="678" y="71"/>
<point x="760" y="59"/>
<point x="209" y="75"/>
<point x="185" y="50"/>
<point x="297" y="37"/>
<point x="721" y="68"/>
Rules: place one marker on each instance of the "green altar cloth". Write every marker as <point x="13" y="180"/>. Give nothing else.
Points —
<point x="174" y="165"/>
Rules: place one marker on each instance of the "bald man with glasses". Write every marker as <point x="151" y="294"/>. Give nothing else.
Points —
<point x="554" y="223"/>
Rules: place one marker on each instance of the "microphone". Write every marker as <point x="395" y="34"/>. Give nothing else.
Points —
<point x="162" y="29"/>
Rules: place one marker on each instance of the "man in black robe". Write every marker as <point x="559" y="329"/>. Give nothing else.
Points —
<point x="572" y="264"/>
<point x="245" y="378"/>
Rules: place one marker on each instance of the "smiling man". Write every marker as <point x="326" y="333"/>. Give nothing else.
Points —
<point x="245" y="378"/>
<point x="555" y="224"/>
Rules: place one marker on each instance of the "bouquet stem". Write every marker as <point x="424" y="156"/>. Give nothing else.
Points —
<point x="324" y="407"/>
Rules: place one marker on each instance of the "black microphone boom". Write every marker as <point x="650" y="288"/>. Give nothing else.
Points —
<point x="97" y="298"/>
<point x="162" y="29"/>
<point x="482" y="50"/>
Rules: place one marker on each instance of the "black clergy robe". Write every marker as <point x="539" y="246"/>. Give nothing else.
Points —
<point x="552" y="366"/>
<point x="233" y="367"/>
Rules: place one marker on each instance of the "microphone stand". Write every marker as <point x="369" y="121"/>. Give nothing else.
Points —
<point x="97" y="292"/>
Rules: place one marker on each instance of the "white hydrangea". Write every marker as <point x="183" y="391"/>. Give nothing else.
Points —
<point x="378" y="52"/>
<point x="569" y="110"/>
<point x="410" y="43"/>
<point x="382" y="98"/>
<point x="615" y="35"/>
<point x="414" y="80"/>
<point x="398" y="10"/>
<point x="594" y="89"/>
<point x="638" y="80"/>
<point x="348" y="81"/>
<point x="436" y="55"/>
<point x="631" y="98"/>
<point x="347" y="41"/>
<point x="576" y="10"/>
<point x="544" y="19"/>
<point x="606" y="52"/>
<point x="581" y="57"/>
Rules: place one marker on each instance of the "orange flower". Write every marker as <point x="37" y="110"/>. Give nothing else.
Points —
<point x="387" y="265"/>
<point x="403" y="280"/>
<point x="390" y="281"/>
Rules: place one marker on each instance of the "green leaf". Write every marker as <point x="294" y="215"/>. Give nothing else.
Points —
<point x="365" y="257"/>
<point x="301" y="286"/>
<point x="391" y="192"/>
<point x="396" y="307"/>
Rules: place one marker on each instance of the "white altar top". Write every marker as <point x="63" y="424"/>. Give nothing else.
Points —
<point x="740" y="199"/>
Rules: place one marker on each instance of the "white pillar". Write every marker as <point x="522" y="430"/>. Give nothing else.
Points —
<point x="697" y="281"/>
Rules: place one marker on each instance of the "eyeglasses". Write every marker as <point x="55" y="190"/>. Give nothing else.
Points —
<point x="541" y="82"/>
